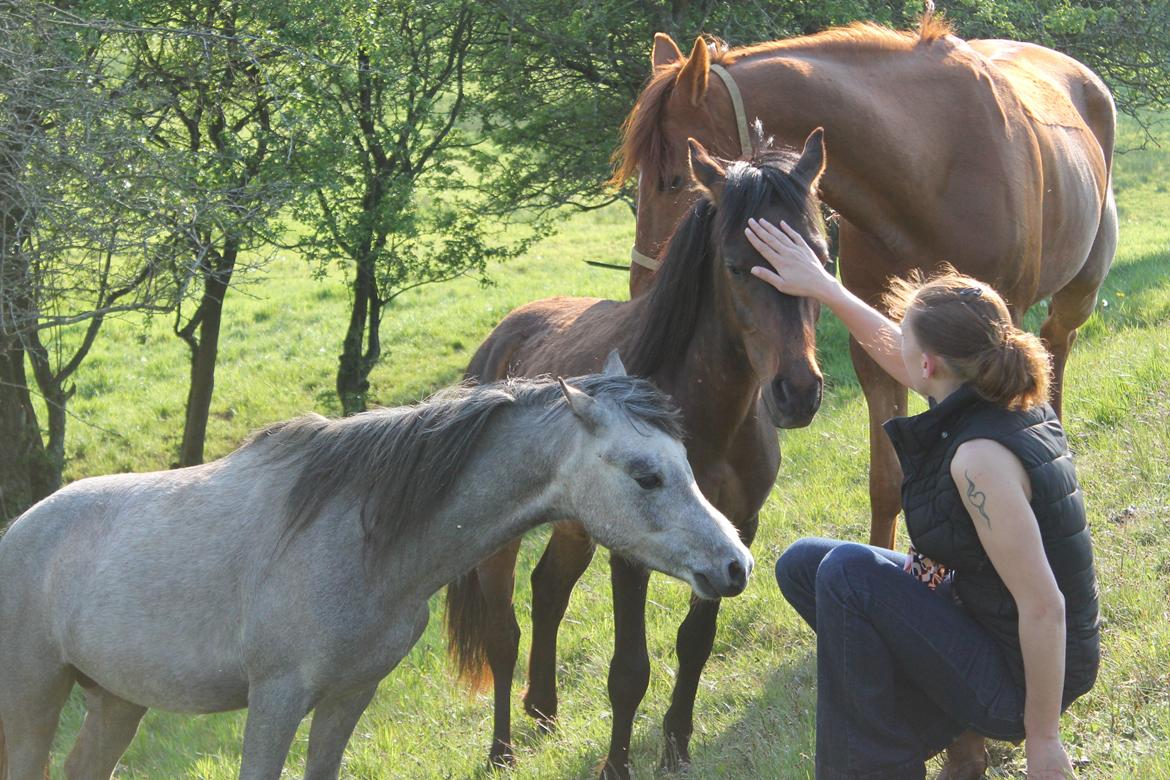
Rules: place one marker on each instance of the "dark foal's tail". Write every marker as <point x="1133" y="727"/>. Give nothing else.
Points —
<point x="467" y="619"/>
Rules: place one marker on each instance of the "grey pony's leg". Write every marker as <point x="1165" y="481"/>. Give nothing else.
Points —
<point x="333" y="723"/>
<point x="275" y="710"/>
<point x="30" y="715"/>
<point x="110" y="725"/>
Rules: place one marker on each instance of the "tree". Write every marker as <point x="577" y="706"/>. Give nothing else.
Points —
<point x="77" y="241"/>
<point x="395" y="196"/>
<point x="215" y="77"/>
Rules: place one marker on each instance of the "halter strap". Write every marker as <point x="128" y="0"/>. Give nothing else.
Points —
<point x="745" y="141"/>
<point x="644" y="260"/>
<point x="745" y="146"/>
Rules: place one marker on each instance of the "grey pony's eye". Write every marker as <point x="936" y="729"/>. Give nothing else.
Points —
<point x="649" y="481"/>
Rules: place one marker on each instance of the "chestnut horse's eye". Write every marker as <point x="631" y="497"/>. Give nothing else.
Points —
<point x="675" y="184"/>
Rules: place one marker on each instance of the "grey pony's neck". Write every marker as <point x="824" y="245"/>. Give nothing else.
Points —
<point x="508" y="488"/>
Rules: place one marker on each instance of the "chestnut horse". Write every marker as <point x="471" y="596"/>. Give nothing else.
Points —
<point x="739" y="360"/>
<point x="994" y="156"/>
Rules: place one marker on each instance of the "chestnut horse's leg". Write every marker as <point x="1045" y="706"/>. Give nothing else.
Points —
<point x="696" y="637"/>
<point x="629" y="670"/>
<point x="564" y="561"/>
<point x="1074" y="303"/>
<point x="885" y="399"/>
<point x="501" y="641"/>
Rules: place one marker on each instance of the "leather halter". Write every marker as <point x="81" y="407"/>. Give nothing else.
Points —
<point x="745" y="146"/>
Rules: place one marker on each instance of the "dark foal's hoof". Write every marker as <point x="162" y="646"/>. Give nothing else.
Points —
<point x="546" y="718"/>
<point x="501" y="757"/>
<point x="611" y="772"/>
<point x="676" y="757"/>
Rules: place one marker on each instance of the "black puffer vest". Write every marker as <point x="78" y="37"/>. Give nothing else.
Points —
<point x="941" y="528"/>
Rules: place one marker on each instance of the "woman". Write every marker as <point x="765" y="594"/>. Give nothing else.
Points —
<point x="996" y="632"/>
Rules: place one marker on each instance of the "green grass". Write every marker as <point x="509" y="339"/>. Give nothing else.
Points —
<point x="754" y="715"/>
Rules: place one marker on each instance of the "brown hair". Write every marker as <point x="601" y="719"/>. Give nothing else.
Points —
<point x="968" y="325"/>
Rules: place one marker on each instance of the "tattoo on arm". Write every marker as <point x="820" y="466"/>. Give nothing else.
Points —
<point x="977" y="498"/>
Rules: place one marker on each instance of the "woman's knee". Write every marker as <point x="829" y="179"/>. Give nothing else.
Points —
<point x="796" y="569"/>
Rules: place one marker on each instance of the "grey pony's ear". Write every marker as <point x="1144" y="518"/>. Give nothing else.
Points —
<point x="581" y="404"/>
<point x="811" y="165"/>
<point x="613" y="364"/>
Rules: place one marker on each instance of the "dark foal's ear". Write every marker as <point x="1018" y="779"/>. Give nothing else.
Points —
<point x="811" y="165"/>
<point x="613" y="364"/>
<point x="665" y="51"/>
<point x="582" y="405"/>
<point x="691" y="80"/>
<point x="706" y="171"/>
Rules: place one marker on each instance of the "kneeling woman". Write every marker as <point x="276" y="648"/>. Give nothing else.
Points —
<point x="990" y="624"/>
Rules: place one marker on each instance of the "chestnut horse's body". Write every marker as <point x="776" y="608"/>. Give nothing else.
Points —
<point x="739" y="360"/>
<point x="994" y="156"/>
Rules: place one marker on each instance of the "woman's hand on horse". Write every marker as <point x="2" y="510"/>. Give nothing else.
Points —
<point x="796" y="270"/>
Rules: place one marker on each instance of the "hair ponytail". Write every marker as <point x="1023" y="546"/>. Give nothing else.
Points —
<point x="968" y="325"/>
<point x="1014" y="373"/>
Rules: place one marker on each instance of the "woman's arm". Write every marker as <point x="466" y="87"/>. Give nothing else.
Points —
<point x="995" y="490"/>
<point x="797" y="271"/>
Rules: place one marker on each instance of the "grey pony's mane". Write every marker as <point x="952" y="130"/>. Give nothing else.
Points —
<point x="398" y="464"/>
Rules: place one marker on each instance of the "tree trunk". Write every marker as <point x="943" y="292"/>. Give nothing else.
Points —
<point x="353" y="369"/>
<point x="204" y="353"/>
<point x="25" y="476"/>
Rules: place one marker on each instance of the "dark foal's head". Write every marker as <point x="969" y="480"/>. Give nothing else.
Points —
<point x="708" y="262"/>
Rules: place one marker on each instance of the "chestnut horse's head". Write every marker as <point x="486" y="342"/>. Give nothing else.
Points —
<point x="674" y="105"/>
<point x="707" y="268"/>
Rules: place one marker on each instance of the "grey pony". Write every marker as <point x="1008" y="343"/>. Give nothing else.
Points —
<point x="293" y="575"/>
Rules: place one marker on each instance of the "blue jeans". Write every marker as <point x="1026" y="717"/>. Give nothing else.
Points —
<point x="901" y="670"/>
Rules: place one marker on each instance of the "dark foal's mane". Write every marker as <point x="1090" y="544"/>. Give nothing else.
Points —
<point x="684" y="278"/>
<point x="398" y="465"/>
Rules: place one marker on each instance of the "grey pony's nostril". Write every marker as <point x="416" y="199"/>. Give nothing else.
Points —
<point x="737" y="575"/>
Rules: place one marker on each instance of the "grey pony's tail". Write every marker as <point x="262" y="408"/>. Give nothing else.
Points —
<point x="466" y="621"/>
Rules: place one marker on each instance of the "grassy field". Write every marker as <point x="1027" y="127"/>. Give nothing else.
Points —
<point x="754" y="715"/>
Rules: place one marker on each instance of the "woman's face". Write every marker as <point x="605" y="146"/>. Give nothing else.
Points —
<point x="913" y="357"/>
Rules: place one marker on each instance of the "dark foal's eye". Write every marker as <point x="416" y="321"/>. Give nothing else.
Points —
<point x="736" y="271"/>
<point x="649" y="481"/>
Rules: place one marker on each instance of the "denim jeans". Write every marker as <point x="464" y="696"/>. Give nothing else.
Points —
<point x="901" y="670"/>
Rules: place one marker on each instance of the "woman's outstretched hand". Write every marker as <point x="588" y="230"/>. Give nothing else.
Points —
<point x="795" y="270"/>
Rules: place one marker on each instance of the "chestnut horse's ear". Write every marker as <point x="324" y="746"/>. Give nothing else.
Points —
<point x="692" y="79"/>
<point x="811" y="165"/>
<point x="665" y="51"/>
<point x="705" y="169"/>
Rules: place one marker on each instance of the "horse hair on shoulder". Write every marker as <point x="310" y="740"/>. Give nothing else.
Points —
<point x="399" y="463"/>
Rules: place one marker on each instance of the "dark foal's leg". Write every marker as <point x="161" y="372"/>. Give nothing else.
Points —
<point x="497" y="578"/>
<point x="629" y="670"/>
<point x="564" y="561"/>
<point x="696" y="637"/>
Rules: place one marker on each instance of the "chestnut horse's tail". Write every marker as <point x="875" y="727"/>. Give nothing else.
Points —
<point x="467" y="617"/>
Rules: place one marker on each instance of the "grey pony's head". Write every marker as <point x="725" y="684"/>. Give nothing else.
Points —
<point x="629" y="483"/>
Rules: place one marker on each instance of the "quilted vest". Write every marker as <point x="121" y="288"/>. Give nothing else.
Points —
<point x="940" y="527"/>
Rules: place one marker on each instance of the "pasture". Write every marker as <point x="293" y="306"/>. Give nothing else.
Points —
<point x="754" y="713"/>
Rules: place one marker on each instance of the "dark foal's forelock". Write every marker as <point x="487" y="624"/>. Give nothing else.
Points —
<point x="676" y="299"/>
<point x="399" y="464"/>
